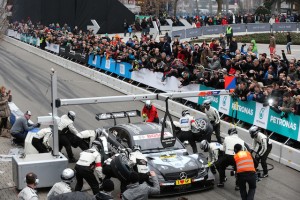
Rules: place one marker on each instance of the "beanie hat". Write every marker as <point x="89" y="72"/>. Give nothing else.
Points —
<point x="108" y="185"/>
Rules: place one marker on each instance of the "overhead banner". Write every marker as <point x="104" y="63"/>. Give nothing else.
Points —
<point x="284" y="26"/>
<point x="210" y="30"/>
<point x="193" y="32"/>
<point x="258" y="27"/>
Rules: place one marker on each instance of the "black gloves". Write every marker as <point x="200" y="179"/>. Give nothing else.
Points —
<point x="37" y="125"/>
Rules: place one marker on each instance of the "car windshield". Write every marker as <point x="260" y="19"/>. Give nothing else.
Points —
<point x="152" y="143"/>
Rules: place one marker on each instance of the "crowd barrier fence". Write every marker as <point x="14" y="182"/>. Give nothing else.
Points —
<point x="237" y="28"/>
<point x="291" y="156"/>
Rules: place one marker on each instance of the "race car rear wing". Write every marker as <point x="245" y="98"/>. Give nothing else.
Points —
<point x="115" y="115"/>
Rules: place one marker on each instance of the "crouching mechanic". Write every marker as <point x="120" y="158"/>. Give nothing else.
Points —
<point x="90" y="135"/>
<point x="88" y="161"/>
<point x="149" y="111"/>
<point x="68" y="135"/>
<point x="213" y="149"/>
<point x="228" y="158"/>
<point x="63" y="186"/>
<point x="185" y="124"/>
<point x="245" y="172"/>
<point x="264" y="148"/>
<point x="40" y="140"/>
<point x="139" y="164"/>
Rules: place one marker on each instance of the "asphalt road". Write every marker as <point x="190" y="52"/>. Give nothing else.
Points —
<point x="28" y="77"/>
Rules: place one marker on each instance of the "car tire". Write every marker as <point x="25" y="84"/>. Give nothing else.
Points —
<point x="120" y="168"/>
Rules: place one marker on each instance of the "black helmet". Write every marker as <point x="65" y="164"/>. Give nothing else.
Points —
<point x="97" y="144"/>
<point x="185" y="112"/>
<point x="67" y="175"/>
<point x="253" y="131"/>
<point x="232" y="131"/>
<point x="204" y="145"/>
<point x="72" y="115"/>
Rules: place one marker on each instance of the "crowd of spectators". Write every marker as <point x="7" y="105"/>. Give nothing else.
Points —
<point x="258" y="77"/>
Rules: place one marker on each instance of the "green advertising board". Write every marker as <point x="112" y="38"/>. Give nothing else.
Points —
<point x="288" y="127"/>
<point x="243" y="110"/>
<point x="214" y="99"/>
<point x="255" y="113"/>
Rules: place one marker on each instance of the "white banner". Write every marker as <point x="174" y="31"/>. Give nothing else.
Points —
<point x="171" y="84"/>
<point x="261" y="115"/>
<point x="224" y="105"/>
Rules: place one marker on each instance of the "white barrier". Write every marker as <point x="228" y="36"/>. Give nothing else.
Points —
<point x="280" y="152"/>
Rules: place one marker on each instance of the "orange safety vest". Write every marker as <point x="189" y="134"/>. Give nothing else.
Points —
<point x="244" y="162"/>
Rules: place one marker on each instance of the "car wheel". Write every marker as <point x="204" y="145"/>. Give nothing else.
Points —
<point x="121" y="168"/>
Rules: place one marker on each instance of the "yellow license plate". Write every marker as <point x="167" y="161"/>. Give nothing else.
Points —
<point x="183" y="181"/>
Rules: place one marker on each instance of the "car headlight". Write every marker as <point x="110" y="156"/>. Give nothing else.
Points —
<point x="162" y="167"/>
<point x="191" y="164"/>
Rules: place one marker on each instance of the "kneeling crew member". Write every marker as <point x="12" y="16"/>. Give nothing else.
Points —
<point x="213" y="150"/>
<point x="40" y="140"/>
<point x="245" y="172"/>
<point x="264" y="148"/>
<point x="88" y="161"/>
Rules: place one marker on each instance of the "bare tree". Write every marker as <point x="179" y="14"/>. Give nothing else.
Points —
<point x="175" y="7"/>
<point x="219" y="2"/>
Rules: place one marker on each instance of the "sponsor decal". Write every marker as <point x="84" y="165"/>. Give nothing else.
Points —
<point x="151" y="136"/>
<point x="242" y="109"/>
<point x="283" y="122"/>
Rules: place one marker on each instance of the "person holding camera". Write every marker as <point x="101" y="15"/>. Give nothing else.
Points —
<point x="214" y="62"/>
<point x="5" y="97"/>
<point x="287" y="103"/>
<point x="241" y="91"/>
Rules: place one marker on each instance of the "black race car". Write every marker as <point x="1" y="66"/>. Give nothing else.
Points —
<point x="178" y="171"/>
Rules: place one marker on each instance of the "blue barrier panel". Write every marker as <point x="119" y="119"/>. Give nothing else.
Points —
<point x="238" y="28"/>
<point x="210" y="30"/>
<point x="108" y="65"/>
<point x="284" y="26"/>
<point x="179" y="33"/>
<point x="193" y="32"/>
<point x="258" y="27"/>
<point x="122" y="69"/>
<point x="94" y="60"/>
